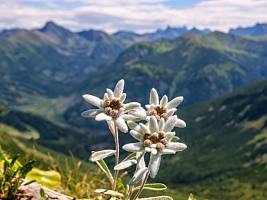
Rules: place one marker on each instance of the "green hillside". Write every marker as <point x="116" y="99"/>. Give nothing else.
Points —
<point x="198" y="68"/>
<point x="227" y="148"/>
<point x="39" y="131"/>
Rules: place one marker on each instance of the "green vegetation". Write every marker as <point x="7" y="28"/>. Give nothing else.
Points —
<point x="227" y="148"/>
<point x="12" y="176"/>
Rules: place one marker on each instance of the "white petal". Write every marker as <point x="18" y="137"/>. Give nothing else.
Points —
<point x="171" y="112"/>
<point x="144" y="128"/>
<point x="154" y="151"/>
<point x="154" y="97"/>
<point x="134" y="126"/>
<point x="148" y="106"/>
<point x="129" y="117"/>
<point x="102" y="116"/>
<point x="168" y="135"/>
<point x="161" y="124"/>
<point x="118" y="90"/>
<point x="176" y="146"/>
<point x="164" y="101"/>
<point x="153" y="124"/>
<point x="154" y="164"/>
<point x="175" y="102"/>
<point x="132" y="105"/>
<point x="125" y="164"/>
<point x="110" y="94"/>
<point x="123" y="97"/>
<point x="90" y="113"/>
<point x="139" y="112"/>
<point x="100" y="155"/>
<point x="93" y="100"/>
<point x="133" y="147"/>
<point x="120" y="122"/>
<point x="105" y="97"/>
<point x="180" y="123"/>
<point x="170" y="123"/>
<point x="136" y="135"/>
<point x="147" y="149"/>
<point x="168" y="151"/>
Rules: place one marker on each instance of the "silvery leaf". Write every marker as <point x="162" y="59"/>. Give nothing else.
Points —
<point x="138" y="176"/>
<point x="125" y="164"/>
<point x="109" y="192"/>
<point x="157" y="198"/>
<point x="100" y="155"/>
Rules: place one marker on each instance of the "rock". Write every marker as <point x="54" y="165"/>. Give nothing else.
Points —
<point x="33" y="192"/>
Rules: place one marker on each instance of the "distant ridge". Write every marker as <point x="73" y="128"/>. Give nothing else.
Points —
<point x="168" y="33"/>
<point x="259" y="29"/>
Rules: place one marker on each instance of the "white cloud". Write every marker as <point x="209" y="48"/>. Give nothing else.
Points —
<point x="138" y="15"/>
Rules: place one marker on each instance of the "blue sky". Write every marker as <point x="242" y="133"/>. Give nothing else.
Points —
<point x="133" y="15"/>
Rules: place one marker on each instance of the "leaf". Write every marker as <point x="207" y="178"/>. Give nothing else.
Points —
<point x="14" y="160"/>
<point x="130" y="157"/>
<point x="157" y="198"/>
<point x="29" y="182"/>
<point x="42" y="193"/>
<point x="26" y="168"/>
<point x="109" y="192"/>
<point x="153" y="187"/>
<point x="103" y="166"/>
<point x="50" y="179"/>
<point x="138" y="176"/>
<point x="125" y="164"/>
<point x="100" y="155"/>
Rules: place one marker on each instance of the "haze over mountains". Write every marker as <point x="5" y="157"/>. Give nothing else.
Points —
<point x="45" y="71"/>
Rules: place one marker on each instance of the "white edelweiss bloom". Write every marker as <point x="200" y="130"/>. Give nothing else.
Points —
<point x="163" y="108"/>
<point x="154" y="137"/>
<point x="112" y="107"/>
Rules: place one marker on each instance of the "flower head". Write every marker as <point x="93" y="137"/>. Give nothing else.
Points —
<point x="112" y="107"/>
<point x="163" y="108"/>
<point x="154" y="137"/>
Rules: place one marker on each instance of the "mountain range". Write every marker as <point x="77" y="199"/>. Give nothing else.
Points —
<point x="45" y="71"/>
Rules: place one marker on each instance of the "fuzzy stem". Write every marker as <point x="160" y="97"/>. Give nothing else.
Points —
<point x="142" y="186"/>
<point x="117" y="155"/>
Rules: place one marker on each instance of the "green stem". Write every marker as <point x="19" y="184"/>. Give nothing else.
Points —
<point x="117" y="155"/>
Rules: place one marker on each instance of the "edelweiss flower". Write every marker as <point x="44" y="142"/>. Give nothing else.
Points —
<point x="112" y="107"/>
<point x="163" y="108"/>
<point x="154" y="137"/>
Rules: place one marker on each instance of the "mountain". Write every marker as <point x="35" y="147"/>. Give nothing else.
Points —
<point x="167" y="34"/>
<point x="48" y="62"/>
<point x="106" y="47"/>
<point x="196" y="67"/>
<point x="227" y="148"/>
<point x="260" y="29"/>
<point x="10" y="32"/>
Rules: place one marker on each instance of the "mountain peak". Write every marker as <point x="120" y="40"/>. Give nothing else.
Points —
<point x="51" y="26"/>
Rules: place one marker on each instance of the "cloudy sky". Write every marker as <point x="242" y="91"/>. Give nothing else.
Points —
<point x="133" y="15"/>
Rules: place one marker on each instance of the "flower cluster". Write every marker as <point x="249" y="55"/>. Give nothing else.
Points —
<point x="154" y="133"/>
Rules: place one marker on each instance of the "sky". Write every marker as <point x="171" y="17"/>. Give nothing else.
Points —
<point x="132" y="15"/>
